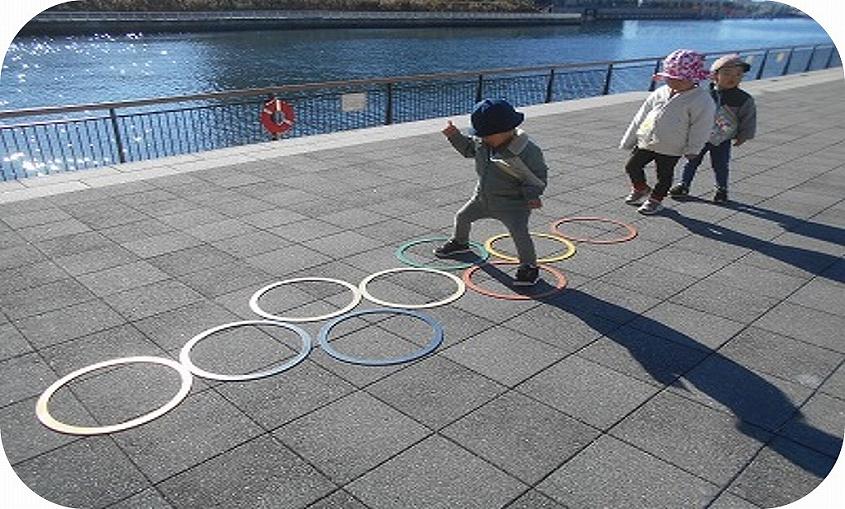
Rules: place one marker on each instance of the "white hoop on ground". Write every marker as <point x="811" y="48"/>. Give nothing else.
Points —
<point x="253" y="301"/>
<point x="362" y="287"/>
<point x="43" y="414"/>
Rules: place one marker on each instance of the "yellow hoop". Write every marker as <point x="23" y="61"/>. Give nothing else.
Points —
<point x="570" y="248"/>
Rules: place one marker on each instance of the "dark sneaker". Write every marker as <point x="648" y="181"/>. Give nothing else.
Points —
<point x="650" y="207"/>
<point x="527" y="276"/>
<point x="721" y="196"/>
<point x="451" y="248"/>
<point x="679" y="190"/>
<point x="636" y="197"/>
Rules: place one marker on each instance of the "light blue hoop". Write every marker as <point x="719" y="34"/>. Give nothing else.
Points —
<point x="434" y="342"/>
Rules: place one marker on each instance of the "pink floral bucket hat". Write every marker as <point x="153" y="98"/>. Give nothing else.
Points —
<point x="684" y="64"/>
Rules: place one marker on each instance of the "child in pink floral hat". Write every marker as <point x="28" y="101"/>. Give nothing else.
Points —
<point x="675" y="120"/>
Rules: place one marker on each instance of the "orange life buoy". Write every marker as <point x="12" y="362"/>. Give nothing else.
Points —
<point x="277" y="116"/>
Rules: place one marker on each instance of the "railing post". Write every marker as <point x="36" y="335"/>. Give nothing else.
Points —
<point x="388" y="109"/>
<point x="830" y="57"/>
<point x="653" y="83"/>
<point x="550" y="86"/>
<point x="479" y="88"/>
<point x="113" y="116"/>
<point x="810" y="60"/>
<point x="788" y="62"/>
<point x="607" y="79"/>
<point x="762" y="65"/>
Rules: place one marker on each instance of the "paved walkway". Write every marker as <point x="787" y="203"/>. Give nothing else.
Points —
<point x="700" y="364"/>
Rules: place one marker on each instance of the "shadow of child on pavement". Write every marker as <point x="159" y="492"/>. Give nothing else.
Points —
<point x="760" y="407"/>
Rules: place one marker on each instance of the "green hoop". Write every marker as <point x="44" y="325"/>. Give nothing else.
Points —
<point x="477" y="248"/>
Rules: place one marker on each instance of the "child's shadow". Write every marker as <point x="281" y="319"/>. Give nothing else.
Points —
<point x="759" y="406"/>
<point x="808" y="260"/>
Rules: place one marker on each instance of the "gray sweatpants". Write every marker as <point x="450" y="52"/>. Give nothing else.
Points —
<point x="515" y="220"/>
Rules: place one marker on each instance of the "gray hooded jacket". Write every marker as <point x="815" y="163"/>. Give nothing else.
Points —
<point x="509" y="177"/>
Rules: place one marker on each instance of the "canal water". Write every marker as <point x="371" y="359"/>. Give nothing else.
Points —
<point x="51" y="71"/>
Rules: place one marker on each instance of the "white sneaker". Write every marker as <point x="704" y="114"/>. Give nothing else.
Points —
<point x="635" y="197"/>
<point x="650" y="207"/>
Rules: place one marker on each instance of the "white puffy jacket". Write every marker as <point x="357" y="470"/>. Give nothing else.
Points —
<point x="674" y="125"/>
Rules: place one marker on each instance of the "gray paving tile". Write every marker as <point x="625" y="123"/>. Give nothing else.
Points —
<point x="305" y="230"/>
<point x="270" y="218"/>
<point x="172" y="329"/>
<point x="835" y="385"/>
<point x="819" y="426"/>
<point x="9" y="238"/>
<point x="53" y="230"/>
<point x="22" y="377"/>
<point x="153" y="299"/>
<point x="121" y="278"/>
<point x="143" y="229"/>
<point x="654" y="281"/>
<point x="350" y="436"/>
<point x="157" y="245"/>
<point x="642" y="356"/>
<point x="610" y="473"/>
<point x="74" y="244"/>
<point x="18" y="256"/>
<point x="702" y="441"/>
<point x="504" y="355"/>
<point x="64" y="475"/>
<point x="821" y="295"/>
<point x="12" y="343"/>
<point x="815" y="327"/>
<point x="251" y="244"/>
<point x="756" y="280"/>
<point x="558" y="326"/>
<point x="147" y="499"/>
<point x="225" y="278"/>
<point x="29" y="276"/>
<point x="192" y="259"/>
<point x="782" y="473"/>
<point x="588" y="391"/>
<point x="435" y="474"/>
<point x="338" y="500"/>
<point x="729" y="501"/>
<point x="249" y="475"/>
<point x="531" y="440"/>
<point x="201" y="427"/>
<point x="341" y="245"/>
<point x="36" y="217"/>
<point x="731" y="303"/>
<point x="96" y="260"/>
<point x="783" y="357"/>
<point x="191" y="218"/>
<point x="48" y="297"/>
<point x="287" y="260"/>
<point x="435" y="391"/>
<point x="457" y="326"/>
<point x="606" y="301"/>
<point x="54" y="327"/>
<point x="121" y="341"/>
<point x="240" y="206"/>
<point x="352" y="219"/>
<point x="752" y="397"/>
<point x="24" y="436"/>
<point x="534" y="500"/>
<point x="687" y="326"/>
<point x="220" y="230"/>
<point x="277" y="400"/>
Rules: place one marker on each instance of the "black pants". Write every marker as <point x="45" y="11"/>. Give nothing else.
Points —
<point x="665" y="170"/>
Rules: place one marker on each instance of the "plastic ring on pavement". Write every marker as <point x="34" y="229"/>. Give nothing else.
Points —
<point x="570" y="248"/>
<point x="362" y="287"/>
<point x="561" y="283"/>
<point x="632" y="232"/>
<point x="253" y="301"/>
<point x="482" y="254"/>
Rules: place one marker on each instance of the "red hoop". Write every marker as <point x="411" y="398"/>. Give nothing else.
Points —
<point x="632" y="232"/>
<point x="561" y="283"/>
<point x="277" y="116"/>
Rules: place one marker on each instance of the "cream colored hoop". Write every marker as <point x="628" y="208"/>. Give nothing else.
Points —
<point x="362" y="287"/>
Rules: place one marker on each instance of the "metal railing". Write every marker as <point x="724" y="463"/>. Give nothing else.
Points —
<point x="71" y="16"/>
<point x="68" y="138"/>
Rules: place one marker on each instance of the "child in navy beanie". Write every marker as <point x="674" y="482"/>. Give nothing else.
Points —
<point x="511" y="178"/>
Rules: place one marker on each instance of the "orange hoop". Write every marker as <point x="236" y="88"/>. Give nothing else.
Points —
<point x="632" y="232"/>
<point x="561" y="283"/>
<point x="277" y="116"/>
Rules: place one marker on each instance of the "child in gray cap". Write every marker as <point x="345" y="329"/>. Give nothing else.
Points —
<point x="511" y="178"/>
<point x="736" y="119"/>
